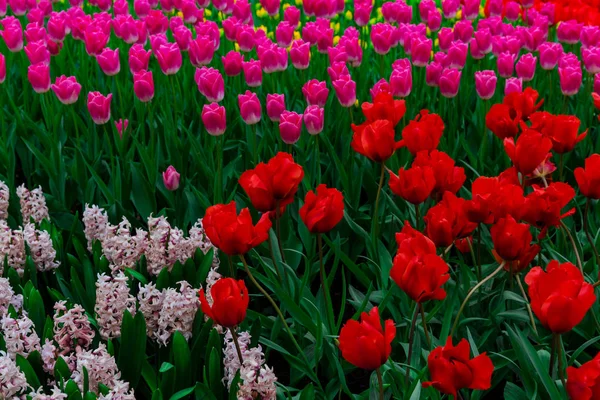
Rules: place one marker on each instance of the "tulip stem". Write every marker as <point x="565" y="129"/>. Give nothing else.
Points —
<point x="277" y="309"/>
<point x="417" y="216"/>
<point x="380" y="381"/>
<point x="552" y="354"/>
<point x="375" y="214"/>
<point x="318" y="160"/>
<point x="411" y="337"/>
<point x="568" y="232"/>
<point x="237" y="346"/>
<point x="472" y="251"/>
<point x="275" y="263"/>
<point x="471" y="292"/>
<point x="560" y="167"/>
<point x="518" y="278"/>
<point x="586" y="228"/>
<point x="559" y="355"/>
<point x="278" y="231"/>
<point x="219" y="190"/>
<point x="328" y="304"/>
<point x="425" y="325"/>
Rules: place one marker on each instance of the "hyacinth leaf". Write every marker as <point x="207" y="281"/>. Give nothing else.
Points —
<point x="308" y="393"/>
<point x="183" y="393"/>
<point x="61" y="369"/>
<point x="133" y="350"/>
<point x="35" y="359"/>
<point x="36" y="311"/>
<point x="157" y="395"/>
<point x="182" y="358"/>
<point x="143" y="197"/>
<point x="215" y="372"/>
<point x="203" y="392"/>
<point x="28" y="370"/>
<point x="237" y="380"/>
<point x="90" y="396"/>
<point x="86" y="380"/>
<point x="72" y="390"/>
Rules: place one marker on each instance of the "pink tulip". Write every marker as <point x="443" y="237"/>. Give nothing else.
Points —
<point x="275" y="106"/>
<point x="272" y="58"/>
<point x="252" y="73"/>
<point x="495" y="7"/>
<point x="18" y="7"/>
<point x="12" y="34"/>
<point x="353" y="49"/>
<point x="35" y="33"/>
<point x="315" y="92"/>
<point x="290" y="127"/>
<point x="138" y="58"/>
<point x="445" y="38"/>
<point x="66" y="89"/>
<point x="534" y="37"/>
<point x="450" y="8"/>
<point x="242" y="11"/>
<point x="485" y="84"/>
<point x="39" y="77"/>
<point x="590" y="36"/>
<point x="379" y="87"/>
<point x="596" y="80"/>
<point x="210" y="29"/>
<point x="425" y="7"/>
<point x="250" y="108"/>
<point x="171" y="178"/>
<point x="109" y="61"/>
<point x="220" y="4"/>
<point x="37" y="52"/>
<point x="292" y="15"/>
<point x="190" y="11"/>
<point x="362" y="13"/>
<point x="183" y="37"/>
<point x="513" y="85"/>
<point x="121" y="126"/>
<point x="99" y="107"/>
<point x="570" y="79"/>
<point x="450" y="82"/>
<point x="143" y="85"/>
<point x="156" y="22"/>
<point x="245" y="38"/>
<point x="382" y="38"/>
<point x="434" y="20"/>
<point x="345" y="90"/>
<point x="401" y="82"/>
<point x="483" y="37"/>
<point x="463" y="30"/>
<point x="471" y="9"/>
<point x="57" y="27"/>
<point x="457" y="54"/>
<point x="121" y="7"/>
<point x="591" y="60"/>
<point x="420" y="51"/>
<point x="550" y="53"/>
<point x="210" y="83"/>
<point x="271" y="6"/>
<point x="284" y="34"/>
<point x="201" y="51"/>
<point x="433" y="71"/>
<point x="95" y="40"/>
<point x="506" y="64"/>
<point x="314" y="119"/>
<point x="569" y="31"/>
<point x="526" y="67"/>
<point x="232" y="63"/>
<point x="512" y="11"/>
<point x="2" y="68"/>
<point x="214" y="119"/>
<point x="300" y="54"/>
<point x="169" y="58"/>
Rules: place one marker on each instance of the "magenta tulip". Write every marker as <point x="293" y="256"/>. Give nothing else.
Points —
<point x="39" y="77"/>
<point x="275" y="106"/>
<point x="250" y="108"/>
<point x="290" y="127"/>
<point x="171" y="178"/>
<point x="485" y="84"/>
<point x="66" y="89"/>
<point x="214" y="119"/>
<point x="143" y="86"/>
<point x="99" y="107"/>
<point x="314" y="119"/>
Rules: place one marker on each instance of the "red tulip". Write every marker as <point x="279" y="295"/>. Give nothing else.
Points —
<point x="275" y="182"/>
<point x="583" y="383"/>
<point x="414" y="184"/>
<point x="234" y="234"/>
<point x="367" y="344"/>
<point x="543" y="206"/>
<point x="563" y="131"/>
<point x="448" y="178"/>
<point x="375" y="140"/>
<point x="512" y="244"/>
<point x="447" y="221"/>
<point x="503" y="121"/>
<point x="588" y="179"/>
<point x="417" y="270"/>
<point x="229" y="302"/>
<point x="322" y="210"/>
<point x="423" y="133"/>
<point x="384" y="107"/>
<point x="451" y="369"/>
<point x="530" y="150"/>
<point x="560" y="297"/>
<point x="524" y="102"/>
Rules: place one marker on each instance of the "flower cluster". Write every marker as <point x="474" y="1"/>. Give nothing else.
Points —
<point x="112" y="299"/>
<point x="33" y="204"/>
<point x="41" y="248"/>
<point x="12" y="248"/>
<point x="4" y="197"/>
<point x="13" y="383"/>
<point x="19" y="335"/>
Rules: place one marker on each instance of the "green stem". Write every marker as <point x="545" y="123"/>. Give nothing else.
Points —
<point x="278" y="231"/>
<point x="561" y="370"/>
<point x="586" y="228"/>
<point x="324" y="286"/>
<point x="425" y="325"/>
<point x="472" y="251"/>
<point x="380" y="381"/>
<point x="376" y="213"/>
<point x="527" y="304"/>
<point x="237" y="345"/>
<point x="552" y="355"/>
<point x="471" y="292"/>
<point x="275" y="263"/>
<point x="568" y="232"/>
<point x="411" y="337"/>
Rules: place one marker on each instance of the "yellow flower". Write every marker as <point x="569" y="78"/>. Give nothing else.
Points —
<point x="207" y="12"/>
<point x="297" y="35"/>
<point x="428" y="32"/>
<point x="270" y="35"/>
<point x="372" y="21"/>
<point x="481" y="11"/>
<point x="336" y="40"/>
<point x="276" y="17"/>
<point x="436" y="43"/>
<point x="221" y="32"/>
<point x="349" y="15"/>
<point x="298" y="2"/>
<point x="180" y="14"/>
<point x="261" y="13"/>
<point x="459" y="14"/>
<point x="379" y="13"/>
<point x="286" y="6"/>
<point x="237" y="47"/>
<point x="263" y="28"/>
<point x="356" y="103"/>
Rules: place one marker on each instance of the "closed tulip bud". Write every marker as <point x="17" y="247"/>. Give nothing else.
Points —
<point x="169" y="58"/>
<point x="121" y="7"/>
<point x="201" y="51"/>
<point x="345" y="91"/>
<point x="526" y="67"/>
<point x="401" y="82"/>
<point x="445" y="38"/>
<point x="250" y="108"/>
<point x="300" y="54"/>
<point x="35" y="33"/>
<point x="13" y="36"/>
<point x="109" y="61"/>
<point x="252" y="73"/>
<point x="210" y="83"/>
<point x="560" y="297"/>
<point x="241" y="10"/>
<point x="121" y="126"/>
<point x="66" y="89"/>
<point x="382" y="38"/>
<point x="214" y="119"/>
<point x="143" y="85"/>
<point x="37" y="52"/>
<point x="232" y="63"/>
<point x="171" y="178"/>
<point x="322" y="210"/>
<point x="95" y="40"/>
<point x="433" y="71"/>
<point x="138" y="58"/>
<point x="290" y="126"/>
<point x="449" y="82"/>
<point x="315" y="92"/>
<point x="314" y="119"/>
<point x="229" y="302"/>
<point x="367" y="344"/>
<point x="506" y="64"/>
<point x="39" y="77"/>
<point x="550" y="53"/>
<point x="245" y="38"/>
<point x="513" y="85"/>
<point x="18" y="7"/>
<point x="234" y="234"/>
<point x="284" y="34"/>
<point x="485" y="84"/>
<point x="292" y="15"/>
<point x="434" y="20"/>
<point x="275" y="106"/>
<point x="570" y="80"/>
<point x="457" y="54"/>
<point x="99" y="107"/>
<point x="421" y="51"/>
<point x="183" y="37"/>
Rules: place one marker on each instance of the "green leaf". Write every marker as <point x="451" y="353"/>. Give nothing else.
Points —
<point x="513" y="392"/>
<point x="133" y="347"/>
<point x="182" y="357"/>
<point x="36" y="311"/>
<point x="157" y="395"/>
<point x="29" y="372"/>
<point x="215" y="373"/>
<point x="416" y="394"/>
<point x="143" y="196"/>
<point x="165" y="367"/>
<point x="183" y="393"/>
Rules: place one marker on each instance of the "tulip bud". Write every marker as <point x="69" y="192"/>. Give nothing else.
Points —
<point x="275" y="106"/>
<point x="214" y="119"/>
<point x="143" y="85"/>
<point x="66" y="89"/>
<point x="450" y="82"/>
<point x="99" y="107"/>
<point x="252" y="73"/>
<point x="290" y="126"/>
<point x="39" y="77"/>
<point x="171" y="178"/>
<point x="169" y="58"/>
<point x="109" y="61"/>
<point x="513" y="85"/>
<point x="250" y="108"/>
<point x="314" y="119"/>
<point x="121" y="126"/>
<point x="485" y="84"/>
<point x="232" y="63"/>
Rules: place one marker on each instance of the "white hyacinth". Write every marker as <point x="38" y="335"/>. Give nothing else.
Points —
<point x="13" y="383"/>
<point x="19" y="335"/>
<point x="95" y="222"/>
<point x="112" y="299"/>
<point x="121" y="248"/>
<point x="41" y="248"/>
<point x="33" y="204"/>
